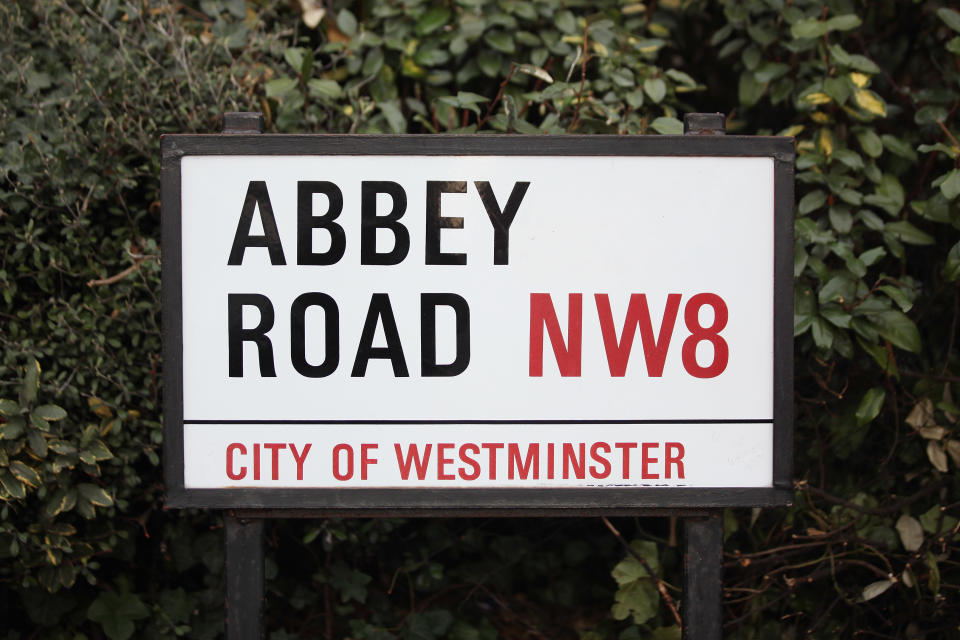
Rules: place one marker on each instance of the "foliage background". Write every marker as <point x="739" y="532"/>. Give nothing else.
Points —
<point x="869" y="89"/>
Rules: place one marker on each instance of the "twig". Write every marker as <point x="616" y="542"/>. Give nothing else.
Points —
<point x="583" y="79"/>
<point x="893" y="508"/>
<point x="118" y="276"/>
<point x="660" y="586"/>
<point x="503" y="85"/>
<point x="953" y="332"/>
<point x="947" y="131"/>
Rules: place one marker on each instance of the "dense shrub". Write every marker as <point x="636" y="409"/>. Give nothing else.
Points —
<point x="870" y="91"/>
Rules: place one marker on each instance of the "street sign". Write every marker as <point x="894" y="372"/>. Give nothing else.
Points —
<point x="484" y="322"/>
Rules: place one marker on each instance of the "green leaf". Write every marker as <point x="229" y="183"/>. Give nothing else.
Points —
<point x="351" y="584"/>
<point x="639" y="600"/>
<point x="39" y="422"/>
<point x="952" y="268"/>
<point x="12" y="486"/>
<point x="9" y="408"/>
<point x="373" y="62"/>
<point x="839" y="54"/>
<point x="500" y="41"/>
<point x="909" y="234"/>
<point x="864" y="64"/>
<point x="900" y="330"/>
<point x="870" y="143"/>
<point x="811" y="202"/>
<point x="347" y="22"/>
<point x="116" y="613"/>
<point x="898" y="295"/>
<point x="950" y="188"/>
<point x="667" y="126"/>
<point x="844" y="22"/>
<point x="881" y="356"/>
<point x="822" y="333"/>
<point x="324" y="88"/>
<point x="810" y="28"/>
<point x="566" y="22"/>
<point x="391" y="111"/>
<point x="871" y="256"/>
<point x="870" y="405"/>
<point x="432" y="19"/>
<point x="489" y="63"/>
<point x="656" y="88"/>
<point x="38" y="444"/>
<point x="279" y="87"/>
<point x="61" y="502"/>
<point x="837" y="88"/>
<point x="31" y="382"/>
<point x="899" y="147"/>
<point x="26" y="475"/>
<point x="631" y="569"/>
<point x="13" y="428"/>
<point x="94" y="495"/>
<point x="681" y="78"/>
<point x="950" y="17"/>
<point x="99" y="451"/>
<point x="50" y="412"/>
<point x="770" y="71"/>
<point x="750" y="90"/>
<point x="930" y="114"/>
<point x="839" y="288"/>
<point x="841" y="219"/>
<point x="294" y="57"/>
<point x="849" y="159"/>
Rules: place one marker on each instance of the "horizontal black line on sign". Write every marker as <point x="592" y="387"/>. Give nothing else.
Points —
<point x="438" y="422"/>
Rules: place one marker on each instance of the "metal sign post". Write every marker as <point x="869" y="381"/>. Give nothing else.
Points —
<point x="442" y="326"/>
<point x="703" y="534"/>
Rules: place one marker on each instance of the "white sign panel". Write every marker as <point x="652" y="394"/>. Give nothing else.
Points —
<point x="477" y="321"/>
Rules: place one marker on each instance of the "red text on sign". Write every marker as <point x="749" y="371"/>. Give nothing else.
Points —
<point x="543" y="315"/>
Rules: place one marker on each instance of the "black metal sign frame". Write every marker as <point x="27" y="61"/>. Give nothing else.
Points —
<point x="469" y="501"/>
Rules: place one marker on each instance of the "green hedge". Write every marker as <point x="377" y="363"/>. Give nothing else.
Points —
<point x="869" y="89"/>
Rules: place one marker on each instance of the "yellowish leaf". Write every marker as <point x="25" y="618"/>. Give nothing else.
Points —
<point x="953" y="448"/>
<point x="870" y="102"/>
<point x="637" y="7"/>
<point x="875" y="589"/>
<point x="820" y="117"/>
<point x="791" y="132"/>
<point x="921" y="415"/>
<point x="859" y="79"/>
<point x="312" y="11"/>
<point x="911" y="532"/>
<point x="818" y="97"/>
<point x="600" y="50"/>
<point x="908" y="578"/>
<point x="99" y="407"/>
<point x="26" y="475"/>
<point x="658" y="30"/>
<point x="825" y="142"/>
<point x="937" y="457"/>
<point x="948" y="398"/>
<point x="932" y="433"/>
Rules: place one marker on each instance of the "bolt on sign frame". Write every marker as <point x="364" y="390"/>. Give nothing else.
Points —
<point x="552" y="253"/>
